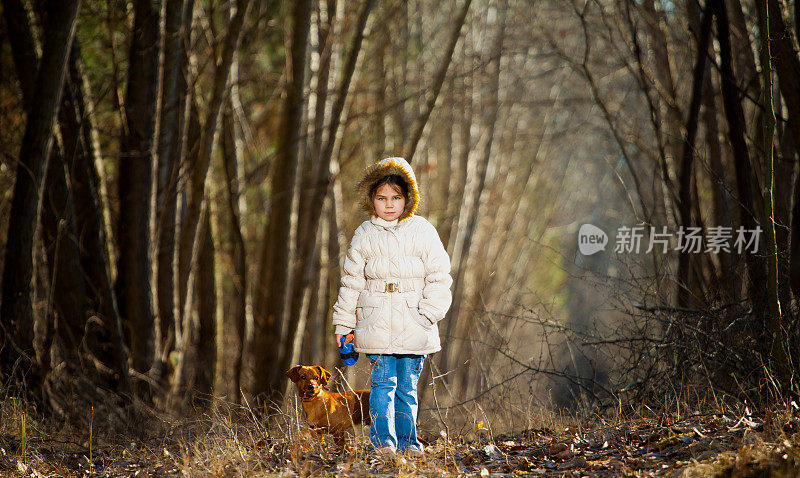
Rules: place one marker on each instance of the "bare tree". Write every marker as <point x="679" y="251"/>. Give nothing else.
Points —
<point x="687" y="158"/>
<point x="196" y="203"/>
<point x="471" y="207"/>
<point x="315" y="190"/>
<point x="190" y="243"/>
<point x="736" y="135"/>
<point x="438" y="80"/>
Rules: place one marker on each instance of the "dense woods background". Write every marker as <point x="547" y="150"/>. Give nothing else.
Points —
<point x="177" y="192"/>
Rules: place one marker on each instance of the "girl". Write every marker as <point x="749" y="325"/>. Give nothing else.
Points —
<point x="395" y="288"/>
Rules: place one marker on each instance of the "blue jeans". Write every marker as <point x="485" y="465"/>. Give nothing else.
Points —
<point x="393" y="401"/>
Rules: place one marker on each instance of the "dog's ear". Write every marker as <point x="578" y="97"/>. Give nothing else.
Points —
<point x="324" y="375"/>
<point x="294" y="373"/>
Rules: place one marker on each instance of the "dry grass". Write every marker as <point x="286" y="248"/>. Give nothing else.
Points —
<point x="234" y="441"/>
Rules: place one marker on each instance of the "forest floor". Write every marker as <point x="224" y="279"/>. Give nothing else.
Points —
<point x="719" y="444"/>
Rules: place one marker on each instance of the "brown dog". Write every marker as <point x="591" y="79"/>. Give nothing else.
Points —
<point x="328" y="412"/>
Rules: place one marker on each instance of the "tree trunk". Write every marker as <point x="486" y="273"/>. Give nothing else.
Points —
<point x="312" y="201"/>
<point x="68" y="287"/>
<point x="686" y="295"/>
<point x="462" y="145"/>
<point x="174" y="102"/>
<point x="85" y="186"/>
<point x="779" y="362"/>
<point x="787" y="66"/>
<point x="136" y="187"/>
<point x="742" y="55"/>
<point x="321" y="84"/>
<point x="187" y="251"/>
<point x="787" y="62"/>
<point x="319" y="337"/>
<point x="16" y="313"/>
<point x="274" y="274"/>
<point x="336" y="244"/>
<point x="736" y="135"/>
<point x="438" y="80"/>
<point x="795" y="240"/>
<point x="237" y="316"/>
<point x="206" y="312"/>
<point x="673" y="118"/>
<point x="664" y="115"/>
<point x="459" y="187"/>
<point x="730" y="282"/>
<point x="461" y="253"/>
<point x="319" y="88"/>
<point x="57" y="218"/>
<point x="786" y="159"/>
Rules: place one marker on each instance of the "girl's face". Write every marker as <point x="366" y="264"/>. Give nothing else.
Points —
<point x="388" y="202"/>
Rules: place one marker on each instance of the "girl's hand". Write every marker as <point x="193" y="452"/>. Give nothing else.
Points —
<point x="347" y="339"/>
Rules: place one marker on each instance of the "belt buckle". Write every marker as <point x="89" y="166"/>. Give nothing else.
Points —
<point x="391" y="286"/>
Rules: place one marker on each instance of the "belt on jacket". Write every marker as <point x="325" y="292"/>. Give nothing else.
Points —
<point x="395" y="285"/>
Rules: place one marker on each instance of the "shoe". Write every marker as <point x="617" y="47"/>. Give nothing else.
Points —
<point x="414" y="453"/>
<point x="385" y="450"/>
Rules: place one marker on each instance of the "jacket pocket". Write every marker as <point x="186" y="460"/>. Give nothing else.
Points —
<point x="367" y="309"/>
<point x="413" y="305"/>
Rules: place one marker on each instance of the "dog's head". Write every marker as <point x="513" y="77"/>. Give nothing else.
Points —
<point x="309" y="380"/>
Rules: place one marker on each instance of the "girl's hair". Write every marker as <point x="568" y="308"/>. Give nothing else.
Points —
<point x="392" y="180"/>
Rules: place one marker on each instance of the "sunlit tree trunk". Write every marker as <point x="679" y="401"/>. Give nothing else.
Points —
<point x="410" y="147"/>
<point x="380" y="101"/>
<point x="456" y="320"/>
<point x="337" y="246"/>
<point x="462" y="143"/>
<point x="325" y="46"/>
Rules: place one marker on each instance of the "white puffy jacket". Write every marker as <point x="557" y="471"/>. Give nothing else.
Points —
<point x="396" y="281"/>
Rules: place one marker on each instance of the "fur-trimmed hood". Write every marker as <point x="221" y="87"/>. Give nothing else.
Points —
<point x="385" y="167"/>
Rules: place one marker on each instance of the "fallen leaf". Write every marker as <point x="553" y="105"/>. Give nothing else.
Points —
<point x="493" y="451"/>
<point x="557" y="448"/>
